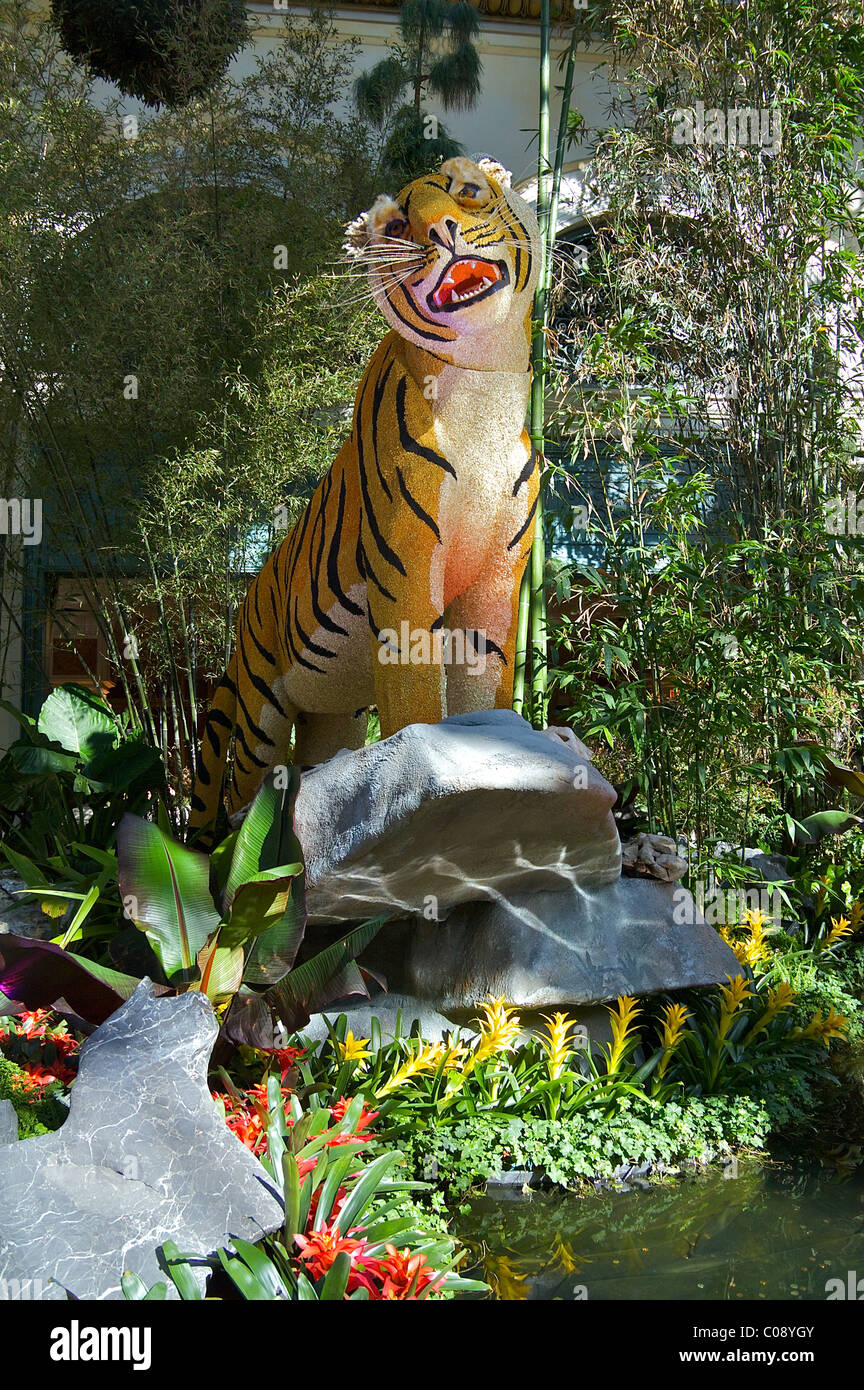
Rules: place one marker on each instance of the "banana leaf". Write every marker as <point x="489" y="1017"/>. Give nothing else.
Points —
<point x="165" y="889"/>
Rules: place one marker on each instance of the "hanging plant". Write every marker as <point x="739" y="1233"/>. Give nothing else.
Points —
<point x="165" y="52"/>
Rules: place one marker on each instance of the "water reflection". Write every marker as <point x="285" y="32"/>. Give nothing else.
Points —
<point x="766" y="1234"/>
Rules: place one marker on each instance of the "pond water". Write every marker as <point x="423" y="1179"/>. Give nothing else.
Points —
<point x="766" y="1233"/>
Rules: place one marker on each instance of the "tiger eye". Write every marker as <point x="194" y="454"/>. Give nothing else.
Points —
<point x="397" y="227"/>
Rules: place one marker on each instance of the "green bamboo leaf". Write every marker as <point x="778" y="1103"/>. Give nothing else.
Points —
<point x="270" y="806"/>
<point x="292" y="993"/>
<point x="258" y="905"/>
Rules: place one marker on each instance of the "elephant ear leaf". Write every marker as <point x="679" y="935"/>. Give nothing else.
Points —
<point x="165" y="889"/>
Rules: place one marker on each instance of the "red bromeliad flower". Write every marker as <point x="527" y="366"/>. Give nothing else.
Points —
<point x="34" y="1022"/>
<point x="402" y="1276"/>
<point x="365" y="1119"/>
<point x="37" y="1077"/>
<point x="319" y="1249"/>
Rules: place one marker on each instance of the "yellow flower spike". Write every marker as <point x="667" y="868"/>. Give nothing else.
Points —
<point x="674" y="1018"/>
<point x="622" y="1018"/>
<point x="856" y="916"/>
<point x="732" y="996"/>
<point x="499" y="1030"/>
<point x="840" y="928"/>
<point x="783" y="997"/>
<point x="425" y="1059"/>
<point x="558" y="1045"/>
<point x="354" y="1049"/>
<point x="454" y="1055"/>
<point x="821" y="1029"/>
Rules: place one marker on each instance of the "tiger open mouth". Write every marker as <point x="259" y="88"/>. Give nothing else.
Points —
<point x="465" y="280"/>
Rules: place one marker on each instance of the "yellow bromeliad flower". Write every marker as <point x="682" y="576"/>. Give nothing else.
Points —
<point x="732" y="996"/>
<point x="754" y="948"/>
<point x="425" y="1059"/>
<point x="821" y="1029"/>
<point x="840" y="928"/>
<point x="783" y="997"/>
<point x="674" y="1018"/>
<point x="354" y="1049"/>
<point x="499" y="1030"/>
<point x="856" y="916"/>
<point x="558" y="1046"/>
<point x="622" y="1017"/>
<point x="454" y="1055"/>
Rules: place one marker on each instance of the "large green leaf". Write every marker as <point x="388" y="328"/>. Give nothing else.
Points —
<point x="259" y="905"/>
<point x="165" y="889"/>
<point x="221" y="970"/>
<point x="259" y="820"/>
<point x="274" y="951"/>
<point x="78" y="721"/>
<point x="291" y="996"/>
<point x="816" y="827"/>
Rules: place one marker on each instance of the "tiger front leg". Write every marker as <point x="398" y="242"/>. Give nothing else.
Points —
<point x="480" y="657"/>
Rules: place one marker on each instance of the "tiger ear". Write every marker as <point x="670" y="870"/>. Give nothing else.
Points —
<point x="495" y="170"/>
<point x="361" y="231"/>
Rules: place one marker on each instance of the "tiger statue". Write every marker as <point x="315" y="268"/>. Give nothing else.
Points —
<point x="422" y="527"/>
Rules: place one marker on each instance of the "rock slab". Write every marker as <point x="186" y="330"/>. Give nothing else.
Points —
<point x="563" y="949"/>
<point x="475" y="807"/>
<point x="143" y="1157"/>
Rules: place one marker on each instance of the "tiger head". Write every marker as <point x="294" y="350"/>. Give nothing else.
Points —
<point x="453" y="263"/>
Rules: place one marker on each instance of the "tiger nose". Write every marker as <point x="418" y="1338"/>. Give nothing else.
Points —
<point x="444" y="232"/>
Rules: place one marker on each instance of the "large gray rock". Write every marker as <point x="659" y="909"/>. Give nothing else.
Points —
<point x="143" y="1157"/>
<point x="475" y="807"/>
<point x="564" y="949"/>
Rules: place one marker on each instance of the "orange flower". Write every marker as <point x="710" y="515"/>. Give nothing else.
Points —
<point x="319" y="1249"/>
<point x="402" y="1276"/>
<point x="364" y="1120"/>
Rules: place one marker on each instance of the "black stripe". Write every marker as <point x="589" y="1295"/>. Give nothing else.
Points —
<point x="530" y="465"/>
<point x="253" y="757"/>
<point x="411" y="445"/>
<point x="324" y="619"/>
<point x="260" y="685"/>
<point x="522" y="529"/>
<point x="442" y="337"/>
<point x="488" y="644"/>
<point x="308" y="644"/>
<point x="333" y="558"/>
<point x="376" y="405"/>
<point x="197" y="803"/>
<point x="369" y="573"/>
<point x="415" y="505"/>
<point x="369" y="512"/>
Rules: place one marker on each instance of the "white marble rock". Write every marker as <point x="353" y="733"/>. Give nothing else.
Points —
<point x="144" y="1157"/>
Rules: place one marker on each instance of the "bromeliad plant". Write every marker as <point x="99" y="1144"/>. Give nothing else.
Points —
<point x="731" y="1037"/>
<point x="346" y="1234"/>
